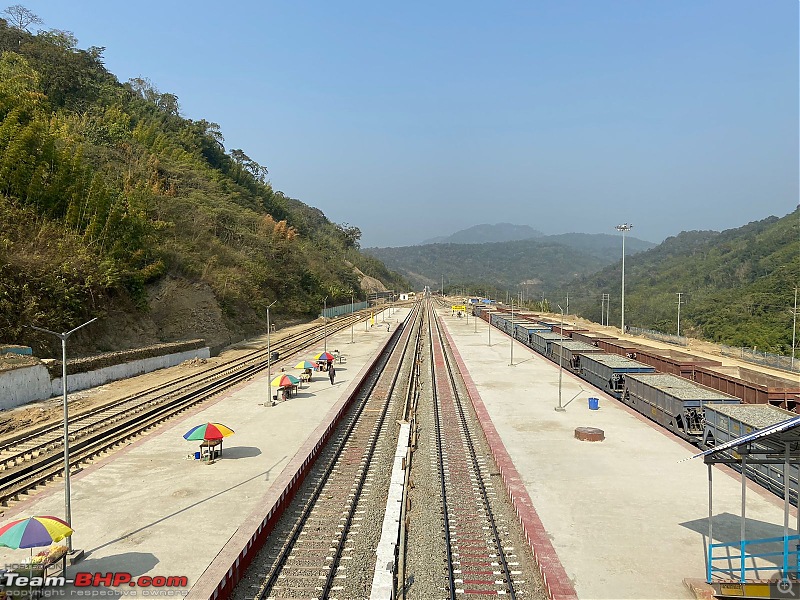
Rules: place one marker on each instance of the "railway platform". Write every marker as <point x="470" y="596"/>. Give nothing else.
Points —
<point x="152" y="509"/>
<point x="625" y="517"/>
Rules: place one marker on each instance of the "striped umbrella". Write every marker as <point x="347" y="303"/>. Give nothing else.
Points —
<point x="208" y="431"/>
<point x="324" y="356"/>
<point x="284" y="380"/>
<point x="34" y="532"/>
<point x="305" y="364"/>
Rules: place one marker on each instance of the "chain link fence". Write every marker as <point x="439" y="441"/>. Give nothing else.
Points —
<point x="678" y="340"/>
<point x="767" y="359"/>
<point x="344" y="309"/>
<point x="777" y="361"/>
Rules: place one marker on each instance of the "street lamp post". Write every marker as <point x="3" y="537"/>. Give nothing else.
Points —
<point x="512" y="332"/>
<point x="269" y="348"/>
<point x="560" y="408"/>
<point x="325" y="321"/>
<point x="624" y="228"/>
<point x="63" y="337"/>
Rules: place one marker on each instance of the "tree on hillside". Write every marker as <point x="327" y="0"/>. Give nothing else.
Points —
<point x="20" y="17"/>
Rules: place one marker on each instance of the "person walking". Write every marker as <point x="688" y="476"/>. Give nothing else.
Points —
<point x="331" y="373"/>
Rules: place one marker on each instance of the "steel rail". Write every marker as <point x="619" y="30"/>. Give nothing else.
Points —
<point x="440" y="456"/>
<point x="475" y="466"/>
<point x="397" y="349"/>
<point x="44" y="462"/>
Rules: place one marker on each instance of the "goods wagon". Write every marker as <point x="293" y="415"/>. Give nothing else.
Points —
<point x="568" y="351"/>
<point x="675" y="402"/>
<point x="540" y="341"/>
<point x="673" y="361"/>
<point x="607" y="371"/>
<point x="591" y="337"/>
<point x="751" y="386"/>
<point x="523" y="331"/>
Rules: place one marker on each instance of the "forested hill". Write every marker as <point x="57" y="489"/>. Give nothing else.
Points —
<point x="737" y="286"/>
<point x="544" y="263"/>
<point x="114" y="205"/>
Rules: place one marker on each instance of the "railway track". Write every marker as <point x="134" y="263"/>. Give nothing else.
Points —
<point x="479" y="560"/>
<point x="324" y="544"/>
<point x="31" y="458"/>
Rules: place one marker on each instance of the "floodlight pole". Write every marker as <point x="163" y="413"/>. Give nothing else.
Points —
<point x="269" y="351"/>
<point x="560" y="408"/>
<point x="63" y="337"/>
<point x="512" y="332"/>
<point x="624" y="228"/>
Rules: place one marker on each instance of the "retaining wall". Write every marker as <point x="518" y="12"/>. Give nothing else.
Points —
<point x="30" y="384"/>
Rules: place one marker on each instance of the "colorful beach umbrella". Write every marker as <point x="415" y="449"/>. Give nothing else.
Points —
<point x="324" y="356"/>
<point x="284" y="380"/>
<point x="208" y="431"/>
<point x="34" y="532"/>
<point x="305" y="364"/>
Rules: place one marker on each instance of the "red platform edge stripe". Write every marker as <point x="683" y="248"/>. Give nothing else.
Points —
<point x="219" y="579"/>
<point x="558" y="584"/>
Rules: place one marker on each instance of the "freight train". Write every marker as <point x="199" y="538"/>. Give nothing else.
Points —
<point x="696" y="398"/>
<point x="670" y="387"/>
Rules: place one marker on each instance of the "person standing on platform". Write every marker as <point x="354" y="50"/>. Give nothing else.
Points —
<point x="331" y="373"/>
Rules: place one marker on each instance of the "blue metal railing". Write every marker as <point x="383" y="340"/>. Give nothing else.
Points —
<point x="741" y="570"/>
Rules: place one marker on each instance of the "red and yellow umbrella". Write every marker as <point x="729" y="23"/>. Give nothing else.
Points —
<point x="208" y="431"/>
<point x="324" y="356"/>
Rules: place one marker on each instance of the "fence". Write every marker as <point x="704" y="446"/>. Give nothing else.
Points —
<point x="678" y="340"/>
<point x="344" y="309"/>
<point x="777" y="361"/>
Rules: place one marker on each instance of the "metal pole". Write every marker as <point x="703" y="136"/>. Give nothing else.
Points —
<point x="560" y="408"/>
<point x="269" y="351"/>
<point x="325" y="321"/>
<point x="67" y="489"/>
<point x="352" y="323"/>
<point x="744" y="504"/>
<point x="625" y="227"/>
<point x="794" y="329"/>
<point x="710" y="521"/>
<point x="512" y="332"/>
<point x="786" y="486"/>
<point x="602" y="308"/>
<point x="679" y="312"/>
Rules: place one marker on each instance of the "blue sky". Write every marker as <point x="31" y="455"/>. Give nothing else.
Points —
<point x="416" y="119"/>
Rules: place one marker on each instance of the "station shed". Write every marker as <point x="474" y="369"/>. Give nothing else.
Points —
<point x="774" y="562"/>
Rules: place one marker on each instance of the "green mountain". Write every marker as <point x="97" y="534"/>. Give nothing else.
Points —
<point x="542" y="264"/>
<point x="737" y="286"/>
<point x="114" y="205"/>
<point x="482" y="234"/>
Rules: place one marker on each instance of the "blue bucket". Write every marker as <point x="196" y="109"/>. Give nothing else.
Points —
<point x="197" y="456"/>
<point x="594" y="403"/>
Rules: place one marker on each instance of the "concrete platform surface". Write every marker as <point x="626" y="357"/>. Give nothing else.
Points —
<point x="625" y="516"/>
<point x="151" y="510"/>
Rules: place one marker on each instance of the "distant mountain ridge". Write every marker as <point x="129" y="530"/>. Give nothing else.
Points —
<point x="546" y="262"/>
<point x="483" y="234"/>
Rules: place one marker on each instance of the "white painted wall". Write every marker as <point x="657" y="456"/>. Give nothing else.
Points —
<point x="29" y="384"/>
<point x="23" y="385"/>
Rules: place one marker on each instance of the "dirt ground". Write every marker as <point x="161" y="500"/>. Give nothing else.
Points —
<point x="51" y="411"/>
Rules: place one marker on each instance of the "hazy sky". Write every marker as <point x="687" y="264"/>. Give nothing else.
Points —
<point x="416" y="119"/>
